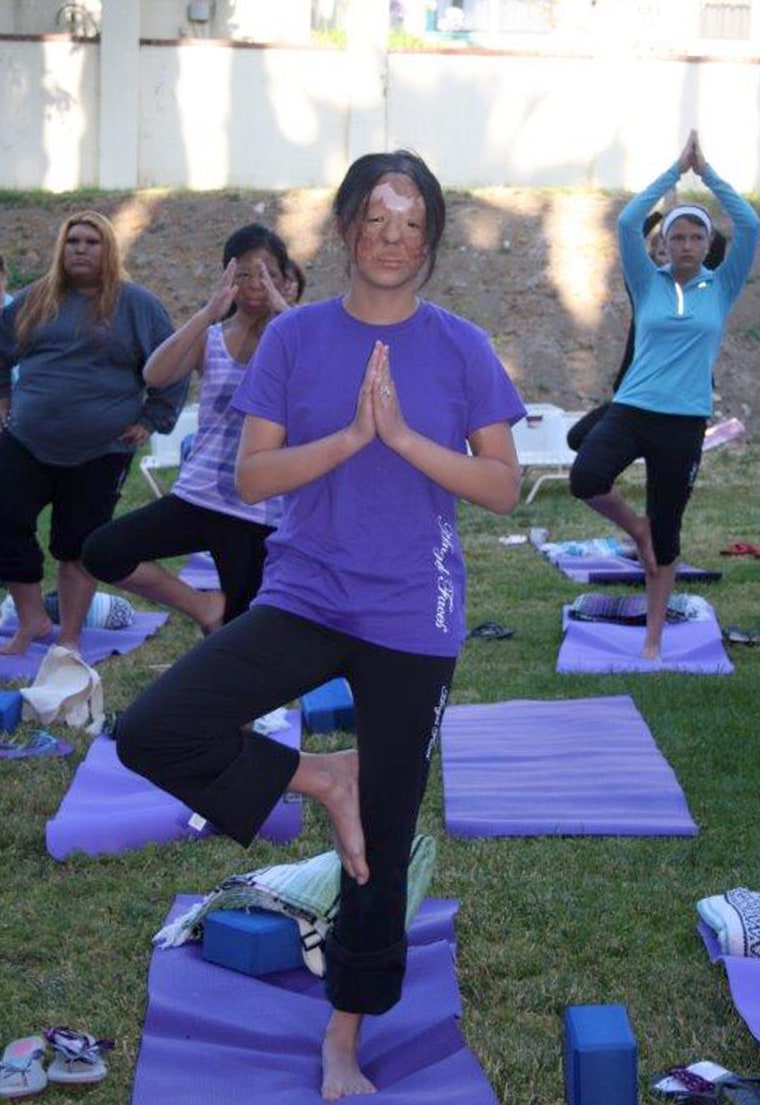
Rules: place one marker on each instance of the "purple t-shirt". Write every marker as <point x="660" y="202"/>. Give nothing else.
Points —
<point x="371" y="548"/>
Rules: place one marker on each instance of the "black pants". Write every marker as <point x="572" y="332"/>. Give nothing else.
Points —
<point x="671" y="445"/>
<point x="173" y="527"/>
<point x="184" y="733"/>
<point x="83" y="496"/>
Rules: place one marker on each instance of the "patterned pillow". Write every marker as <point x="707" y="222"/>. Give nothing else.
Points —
<point x="106" y="611"/>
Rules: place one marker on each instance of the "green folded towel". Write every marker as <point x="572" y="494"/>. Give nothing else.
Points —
<point x="308" y="891"/>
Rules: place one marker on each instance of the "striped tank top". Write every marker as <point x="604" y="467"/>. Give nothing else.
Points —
<point x="207" y="476"/>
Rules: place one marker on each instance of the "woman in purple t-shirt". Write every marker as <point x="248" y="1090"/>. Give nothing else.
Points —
<point x="359" y="411"/>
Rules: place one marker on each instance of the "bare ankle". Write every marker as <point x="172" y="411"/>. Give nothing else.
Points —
<point x="212" y="614"/>
<point x="341" y="1073"/>
<point x="27" y="632"/>
<point x="333" y="779"/>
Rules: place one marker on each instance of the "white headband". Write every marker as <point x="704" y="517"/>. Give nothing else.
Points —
<point x="686" y="209"/>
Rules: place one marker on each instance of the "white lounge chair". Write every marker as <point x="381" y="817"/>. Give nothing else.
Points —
<point x="541" y="442"/>
<point x="165" y="449"/>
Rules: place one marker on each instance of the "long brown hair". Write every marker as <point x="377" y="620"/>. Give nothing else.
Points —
<point x="46" y="294"/>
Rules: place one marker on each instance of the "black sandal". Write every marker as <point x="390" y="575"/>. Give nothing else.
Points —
<point x="491" y="631"/>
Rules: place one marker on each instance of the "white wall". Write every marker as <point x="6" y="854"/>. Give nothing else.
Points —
<point x="213" y="115"/>
<point x="49" y="121"/>
<point x="259" y="20"/>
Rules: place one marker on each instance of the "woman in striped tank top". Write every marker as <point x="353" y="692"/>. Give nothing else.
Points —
<point x="203" y="510"/>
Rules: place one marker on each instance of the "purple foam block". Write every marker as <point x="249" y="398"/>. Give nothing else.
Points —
<point x="254" y="941"/>
<point x="97" y="644"/>
<point x="329" y="707"/>
<point x="602" y="648"/>
<point x="11" y="704"/>
<point x="599" y="1056"/>
<point x="215" y="1037"/>
<point x="586" y="766"/>
<point x="109" y="809"/>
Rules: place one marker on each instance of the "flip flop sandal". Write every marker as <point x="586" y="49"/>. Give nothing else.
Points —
<point x="40" y="743"/>
<point x="736" y="636"/>
<point x="491" y="631"/>
<point x="21" y="1070"/>
<point x="77" y="1056"/>
<point x="741" y="548"/>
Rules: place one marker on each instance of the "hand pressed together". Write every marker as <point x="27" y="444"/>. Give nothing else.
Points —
<point x="378" y="411"/>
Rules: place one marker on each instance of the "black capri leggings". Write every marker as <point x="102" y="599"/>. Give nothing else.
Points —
<point x="185" y="734"/>
<point x="83" y="497"/>
<point x="671" y="445"/>
<point x="173" y="527"/>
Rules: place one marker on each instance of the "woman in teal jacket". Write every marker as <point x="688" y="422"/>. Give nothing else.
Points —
<point x="661" y="407"/>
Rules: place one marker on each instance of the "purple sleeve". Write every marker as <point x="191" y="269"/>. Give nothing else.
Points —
<point x="262" y="389"/>
<point x="492" y="397"/>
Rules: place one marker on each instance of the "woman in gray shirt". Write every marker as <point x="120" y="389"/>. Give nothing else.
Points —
<point x="80" y="408"/>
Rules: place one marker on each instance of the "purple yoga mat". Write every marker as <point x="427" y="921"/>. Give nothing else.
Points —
<point x="97" y="644"/>
<point x="578" y="767"/>
<point x="200" y="572"/>
<point x="621" y="569"/>
<point x="743" y="979"/>
<point x="109" y="809"/>
<point x="602" y="648"/>
<point x="216" y="1037"/>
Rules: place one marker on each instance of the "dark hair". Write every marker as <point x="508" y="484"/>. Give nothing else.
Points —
<point x="717" y="250"/>
<point x="255" y="236"/>
<point x="653" y="219"/>
<point x="352" y="196"/>
<point x="294" y="272"/>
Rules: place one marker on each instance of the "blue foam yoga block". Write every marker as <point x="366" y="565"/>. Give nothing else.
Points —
<point x="10" y="710"/>
<point x="329" y="707"/>
<point x="254" y="942"/>
<point x="600" y="1056"/>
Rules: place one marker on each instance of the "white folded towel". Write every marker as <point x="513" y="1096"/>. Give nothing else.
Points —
<point x="734" y="917"/>
<point x="65" y="689"/>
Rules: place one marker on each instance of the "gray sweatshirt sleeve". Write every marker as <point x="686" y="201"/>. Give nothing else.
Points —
<point x="152" y="325"/>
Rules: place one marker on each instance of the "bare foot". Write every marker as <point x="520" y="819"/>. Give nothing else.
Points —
<point x="333" y="779"/>
<point x="341" y="1075"/>
<point x="24" y="635"/>
<point x="73" y="644"/>
<point x="644" y="546"/>
<point x="212" y="617"/>
<point x="651" y="651"/>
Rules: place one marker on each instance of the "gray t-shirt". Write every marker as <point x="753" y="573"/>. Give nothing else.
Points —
<point x="80" y="385"/>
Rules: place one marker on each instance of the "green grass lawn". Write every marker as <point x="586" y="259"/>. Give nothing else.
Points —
<point x="543" y="923"/>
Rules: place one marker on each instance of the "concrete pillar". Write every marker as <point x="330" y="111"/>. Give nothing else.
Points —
<point x="754" y="21"/>
<point x="119" y="94"/>
<point x="367" y="47"/>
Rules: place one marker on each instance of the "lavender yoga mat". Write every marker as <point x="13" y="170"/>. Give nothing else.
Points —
<point x="200" y="572"/>
<point x="97" y="644"/>
<point x="577" y="767"/>
<point x="109" y="809"/>
<point x="621" y="569"/>
<point x="602" y="648"/>
<point x="216" y="1037"/>
<point x="743" y="979"/>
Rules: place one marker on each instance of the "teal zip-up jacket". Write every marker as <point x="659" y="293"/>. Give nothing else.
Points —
<point x="679" y="330"/>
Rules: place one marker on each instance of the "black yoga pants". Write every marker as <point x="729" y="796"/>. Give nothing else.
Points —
<point x="185" y="734"/>
<point x="173" y="527"/>
<point x="83" y="496"/>
<point x="671" y="446"/>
